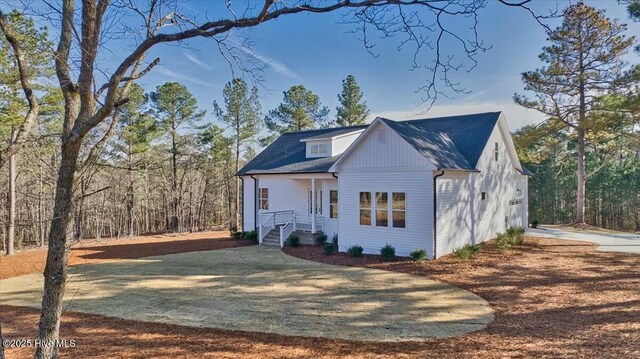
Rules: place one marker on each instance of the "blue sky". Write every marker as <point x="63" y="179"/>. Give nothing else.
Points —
<point x="318" y="52"/>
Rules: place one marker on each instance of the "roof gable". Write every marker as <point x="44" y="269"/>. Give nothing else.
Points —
<point x="287" y="154"/>
<point x="452" y="142"/>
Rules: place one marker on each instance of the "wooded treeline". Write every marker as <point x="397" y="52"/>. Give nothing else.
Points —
<point x="585" y="157"/>
<point x="166" y="166"/>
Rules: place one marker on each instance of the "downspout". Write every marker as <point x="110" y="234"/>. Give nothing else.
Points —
<point x="334" y="175"/>
<point x="242" y="205"/>
<point x="255" y="203"/>
<point x="435" y="207"/>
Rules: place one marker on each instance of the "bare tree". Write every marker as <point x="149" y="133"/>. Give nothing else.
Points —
<point x="85" y="27"/>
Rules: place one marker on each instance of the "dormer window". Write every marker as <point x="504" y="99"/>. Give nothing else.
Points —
<point x="318" y="148"/>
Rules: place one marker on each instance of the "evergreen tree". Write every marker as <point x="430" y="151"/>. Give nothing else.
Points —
<point x="176" y="110"/>
<point x="299" y="110"/>
<point x="352" y="110"/>
<point x="242" y="115"/>
<point x="582" y="63"/>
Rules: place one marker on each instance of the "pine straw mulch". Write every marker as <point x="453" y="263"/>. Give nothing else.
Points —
<point x="90" y="251"/>
<point x="552" y="299"/>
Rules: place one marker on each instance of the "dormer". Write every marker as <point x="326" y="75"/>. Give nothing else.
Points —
<point x="330" y="144"/>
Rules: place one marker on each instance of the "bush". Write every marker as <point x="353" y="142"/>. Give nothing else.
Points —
<point x="467" y="251"/>
<point x="516" y="235"/>
<point x="355" y="251"/>
<point x="334" y="240"/>
<point x="251" y="235"/>
<point x="294" y="240"/>
<point x="503" y="241"/>
<point x="321" y="239"/>
<point x="535" y="223"/>
<point x="418" y="255"/>
<point x="329" y="248"/>
<point x="388" y="252"/>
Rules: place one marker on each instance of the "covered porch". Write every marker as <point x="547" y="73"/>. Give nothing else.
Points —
<point x="305" y="203"/>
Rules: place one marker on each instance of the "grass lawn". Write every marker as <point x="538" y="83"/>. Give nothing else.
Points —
<point x="551" y="298"/>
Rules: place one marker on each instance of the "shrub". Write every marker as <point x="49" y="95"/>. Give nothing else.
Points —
<point x="418" y="255"/>
<point x="388" y="252"/>
<point x="467" y="251"/>
<point x="355" y="251"/>
<point x="334" y="240"/>
<point x="251" y="235"/>
<point x="294" y="240"/>
<point x="321" y="239"/>
<point x="329" y="248"/>
<point x="535" y="223"/>
<point x="503" y="241"/>
<point x="516" y="235"/>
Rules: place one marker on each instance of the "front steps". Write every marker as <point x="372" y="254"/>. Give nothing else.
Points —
<point x="273" y="237"/>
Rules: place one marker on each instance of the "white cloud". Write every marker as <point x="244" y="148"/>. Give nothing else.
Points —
<point x="197" y="61"/>
<point x="517" y="116"/>
<point x="175" y="75"/>
<point x="275" y="65"/>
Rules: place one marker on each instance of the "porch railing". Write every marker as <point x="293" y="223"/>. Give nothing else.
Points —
<point x="265" y="226"/>
<point x="304" y="223"/>
<point x="287" y="229"/>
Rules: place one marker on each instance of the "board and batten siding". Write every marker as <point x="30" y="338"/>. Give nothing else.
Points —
<point x="462" y="216"/>
<point x="384" y="162"/>
<point x="248" y="204"/>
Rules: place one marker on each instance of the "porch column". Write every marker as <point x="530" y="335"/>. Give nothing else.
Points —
<point x="313" y="205"/>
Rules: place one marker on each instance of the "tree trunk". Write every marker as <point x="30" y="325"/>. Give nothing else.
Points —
<point x="580" y="194"/>
<point x="130" y="195"/>
<point x="55" y="273"/>
<point x="11" y="203"/>
<point x="237" y="208"/>
<point x="174" y="185"/>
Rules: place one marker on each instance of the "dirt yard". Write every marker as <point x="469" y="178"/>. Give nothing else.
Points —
<point x="551" y="298"/>
<point x="90" y="251"/>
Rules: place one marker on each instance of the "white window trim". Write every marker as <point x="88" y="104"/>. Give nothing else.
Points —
<point x="370" y="208"/>
<point x="398" y="210"/>
<point x="373" y="210"/>
<point x="261" y="198"/>
<point x="331" y="205"/>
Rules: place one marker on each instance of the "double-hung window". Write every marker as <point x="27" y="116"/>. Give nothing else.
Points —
<point x="263" y="198"/>
<point x="365" y="208"/>
<point x="399" y="214"/>
<point x="382" y="209"/>
<point x="333" y="204"/>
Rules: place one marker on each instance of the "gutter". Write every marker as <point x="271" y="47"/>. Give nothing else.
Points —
<point x="435" y="207"/>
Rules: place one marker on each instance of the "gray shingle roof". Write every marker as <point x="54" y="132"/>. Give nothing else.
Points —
<point x="453" y="142"/>
<point x="462" y="141"/>
<point x="288" y="155"/>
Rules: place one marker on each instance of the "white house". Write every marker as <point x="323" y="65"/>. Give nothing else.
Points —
<point x="434" y="184"/>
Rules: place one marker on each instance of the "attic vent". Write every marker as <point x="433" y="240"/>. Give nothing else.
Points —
<point x="382" y="136"/>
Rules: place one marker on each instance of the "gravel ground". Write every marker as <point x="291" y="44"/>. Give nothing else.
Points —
<point x="552" y="299"/>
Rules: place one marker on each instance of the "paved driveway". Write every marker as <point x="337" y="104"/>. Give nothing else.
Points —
<point x="607" y="242"/>
<point x="264" y="290"/>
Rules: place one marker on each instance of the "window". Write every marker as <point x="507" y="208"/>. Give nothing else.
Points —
<point x="483" y="195"/>
<point x="399" y="214"/>
<point x="495" y="152"/>
<point x="382" y="209"/>
<point x="318" y="202"/>
<point x="318" y="148"/>
<point x="263" y="198"/>
<point x="333" y="204"/>
<point x="365" y="208"/>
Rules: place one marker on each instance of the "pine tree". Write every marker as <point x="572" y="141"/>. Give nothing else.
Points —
<point x="352" y="110"/>
<point x="299" y="110"/>
<point x="582" y="63"/>
<point x="242" y="115"/>
<point x="175" y="109"/>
